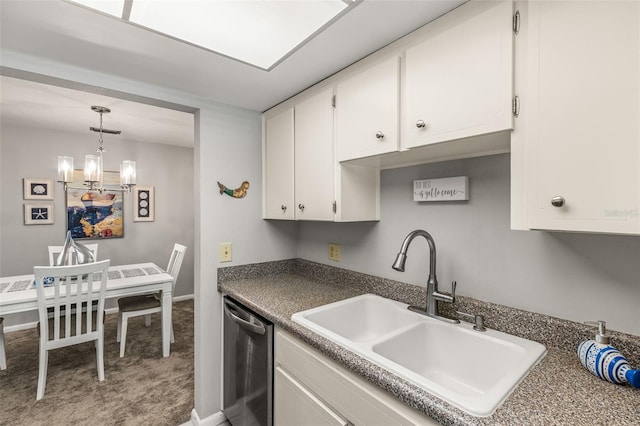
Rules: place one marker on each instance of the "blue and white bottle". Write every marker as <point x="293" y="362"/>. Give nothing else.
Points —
<point x="604" y="361"/>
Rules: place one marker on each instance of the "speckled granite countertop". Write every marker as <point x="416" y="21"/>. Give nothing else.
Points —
<point x="557" y="391"/>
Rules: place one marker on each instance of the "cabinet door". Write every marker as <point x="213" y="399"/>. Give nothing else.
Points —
<point x="459" y="80"/>
<point x="277" y="198"/>
<point x="295" y="405"/>
<point x="583" y="122"/>
<point x="367" y="112"/>
<point x="314" y="163"/>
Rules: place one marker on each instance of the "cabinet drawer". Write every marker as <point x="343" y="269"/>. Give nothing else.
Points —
<point x="295" y="405"/>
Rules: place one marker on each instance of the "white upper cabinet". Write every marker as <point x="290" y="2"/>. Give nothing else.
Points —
<point x="576" y="148"/>
<point x="314" y="162"/>
<point x="277" y="166"/>
<point x="367" y="112"/>
<point x="301" y="179"/>
<point x="459" y="79"/>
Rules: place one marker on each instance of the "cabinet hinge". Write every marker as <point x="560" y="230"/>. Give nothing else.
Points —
<point x="516" y="22"/>
<point x="515" y="106"/>
<point x="333" y="101"/>
<point x="335" y="207"/>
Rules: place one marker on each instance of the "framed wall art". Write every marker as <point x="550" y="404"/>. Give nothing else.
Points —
<point x="38" y="214"/>
<point x="38" y="189"/>
<point x="94" y="215"/>
<point x="144" y="208"/>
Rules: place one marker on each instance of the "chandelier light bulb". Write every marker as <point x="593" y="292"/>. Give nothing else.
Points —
<point x="91" y="168"/>
<point x="128" y="173"/>
<point x="65" y="169"/>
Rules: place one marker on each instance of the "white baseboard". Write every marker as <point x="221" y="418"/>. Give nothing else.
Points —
<point x="20" y="327"/>
<point x="110" y="311"/>
<point x="182" y="298"/>
<point x="213" y="420"/>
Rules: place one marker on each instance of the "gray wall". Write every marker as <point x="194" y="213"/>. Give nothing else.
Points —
<point x="31" y="153"/>
<point x="228" y="149"/>
<point x="572" y="276"/>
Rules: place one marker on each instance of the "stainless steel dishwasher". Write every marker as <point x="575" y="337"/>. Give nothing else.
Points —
<point x="248" y="366"/>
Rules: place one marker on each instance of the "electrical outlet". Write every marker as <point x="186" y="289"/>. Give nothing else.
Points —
<point x="225" y="252"/>
<point x="334" y="252"/>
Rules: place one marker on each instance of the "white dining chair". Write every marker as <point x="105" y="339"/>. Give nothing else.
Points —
<point x="54" y="251"/>
<point x="3" y="355"/>
<point x="62" y="309"/>
<point x="147" y="304"/>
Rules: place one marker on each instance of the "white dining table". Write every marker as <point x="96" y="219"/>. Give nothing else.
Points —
<point x="18" y="293"/>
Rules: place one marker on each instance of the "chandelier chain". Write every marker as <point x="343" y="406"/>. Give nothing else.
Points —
<point x="100" y="140"/>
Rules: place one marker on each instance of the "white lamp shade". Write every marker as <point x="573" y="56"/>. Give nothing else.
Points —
<point x="65" y="169"/>
<point x="92" y="168"/>
<point x="128" y="173"/>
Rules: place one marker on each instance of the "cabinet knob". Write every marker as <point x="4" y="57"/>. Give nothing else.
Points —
<point x="301" y="207"/>
<point x="284" y="208"/>
<point x="557" y="201"/>
<point x="379" y="134"/>
<point x="420" y="124"/>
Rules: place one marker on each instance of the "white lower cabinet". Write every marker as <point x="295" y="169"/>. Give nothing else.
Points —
<point x="312" y="390"/>
<point x="296" y="405"/>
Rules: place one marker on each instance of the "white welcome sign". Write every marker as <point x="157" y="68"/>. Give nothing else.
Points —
<point x="444" y="189"/>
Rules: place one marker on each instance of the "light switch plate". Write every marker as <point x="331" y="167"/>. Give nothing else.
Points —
<point x="225" y="252"/>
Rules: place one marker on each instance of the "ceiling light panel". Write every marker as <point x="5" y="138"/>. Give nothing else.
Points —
<point x="259" y="32"/>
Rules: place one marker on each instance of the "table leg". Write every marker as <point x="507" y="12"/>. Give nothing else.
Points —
<point x="166" y="318"/>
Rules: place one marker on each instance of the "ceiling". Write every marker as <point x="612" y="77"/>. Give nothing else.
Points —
<point x="86" y="39"/>
<point x="26" y="103"/>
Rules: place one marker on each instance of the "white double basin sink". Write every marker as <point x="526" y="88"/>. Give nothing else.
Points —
<point x="472" y="370"/>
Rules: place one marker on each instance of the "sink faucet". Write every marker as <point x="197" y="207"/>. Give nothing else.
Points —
<point x="433" y="295"/>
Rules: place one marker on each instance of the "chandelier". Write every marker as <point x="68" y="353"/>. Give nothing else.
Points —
<point x="93" y="165"/>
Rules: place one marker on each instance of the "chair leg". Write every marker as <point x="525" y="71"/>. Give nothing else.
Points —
<point x="123" y="334"/>
<point x="173" y="340"/>
<point x="3" y="355"/>
<point x="42" y="372"/>
<point x="147" y="320"/>
<point x="119" y="329"/>
<point x="100" y="357"/>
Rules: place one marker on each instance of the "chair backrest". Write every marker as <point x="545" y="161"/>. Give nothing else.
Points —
<point x="64" y="290"/>
<point x="54" y="251"/>
<point x="175" y="261"/>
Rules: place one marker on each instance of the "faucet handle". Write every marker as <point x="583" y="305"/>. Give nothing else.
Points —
<point x="444" y="297"/>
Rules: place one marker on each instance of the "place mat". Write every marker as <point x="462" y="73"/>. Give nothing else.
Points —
<point x="21" y="285"/>
<point x="150" y="270"/>
<point x="137" y="272"/>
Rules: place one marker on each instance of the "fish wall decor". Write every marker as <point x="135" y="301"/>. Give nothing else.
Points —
<point x="235" y="193"/>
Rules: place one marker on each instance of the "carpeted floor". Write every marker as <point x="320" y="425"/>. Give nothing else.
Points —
<point x="142" y="388"/>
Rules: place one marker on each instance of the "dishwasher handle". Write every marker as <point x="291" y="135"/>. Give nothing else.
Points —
<point x="254" y="328"/>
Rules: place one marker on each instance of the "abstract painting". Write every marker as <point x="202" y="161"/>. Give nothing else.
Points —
<point x="95" y="215"/>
